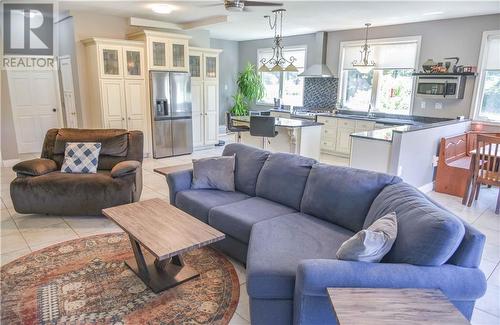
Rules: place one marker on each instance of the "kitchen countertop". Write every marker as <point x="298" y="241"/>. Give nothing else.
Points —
<point x="387" y="134"/>
<point x="282" y="122"/>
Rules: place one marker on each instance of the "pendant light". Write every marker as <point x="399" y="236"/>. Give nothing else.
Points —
<point x="364" y="65"/>
<point x="277" y="62"/>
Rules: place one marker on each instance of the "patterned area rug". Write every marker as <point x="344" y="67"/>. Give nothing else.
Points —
<point x="85" y="281"/>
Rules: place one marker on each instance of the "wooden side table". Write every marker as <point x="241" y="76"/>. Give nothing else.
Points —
<point x="381" y="306"/>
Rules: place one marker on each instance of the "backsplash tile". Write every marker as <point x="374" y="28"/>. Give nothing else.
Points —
<point x="320" y="92"/>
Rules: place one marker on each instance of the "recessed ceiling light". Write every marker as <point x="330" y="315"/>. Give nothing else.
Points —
<point x="432" y="13"/>
<point x="162" y="8"/>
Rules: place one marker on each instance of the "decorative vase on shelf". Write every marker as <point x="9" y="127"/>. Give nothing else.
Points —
<point x="427" y="65"/>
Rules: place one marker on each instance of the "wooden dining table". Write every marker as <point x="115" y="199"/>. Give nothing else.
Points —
<point x="488" y="154"/>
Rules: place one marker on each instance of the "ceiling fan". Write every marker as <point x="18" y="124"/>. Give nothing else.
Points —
<point x="240" y="5"/>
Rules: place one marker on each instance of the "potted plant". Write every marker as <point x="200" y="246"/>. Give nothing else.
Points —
<point x="250" y="89"/>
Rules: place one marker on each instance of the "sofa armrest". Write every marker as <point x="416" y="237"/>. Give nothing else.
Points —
<point x="35" y="167"/>
<point x="179" y="181"/>
<point x="457" y="283"/>
<point x="126" y="167"/>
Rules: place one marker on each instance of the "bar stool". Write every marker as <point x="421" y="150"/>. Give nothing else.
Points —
<point x="233" y="128"/>
<point x="263" y="126"/>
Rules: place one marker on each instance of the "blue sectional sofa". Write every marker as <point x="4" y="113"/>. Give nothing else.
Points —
<point x="290" y="214"/>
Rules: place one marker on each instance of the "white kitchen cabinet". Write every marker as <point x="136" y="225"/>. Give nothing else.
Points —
<point x="164" y="51"/>
<point x="204" y="95"/>
<point x="336" y="133"/>
<point x="117" y="85"/>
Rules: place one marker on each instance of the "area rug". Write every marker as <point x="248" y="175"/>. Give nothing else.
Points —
<point x="85" y="281"/>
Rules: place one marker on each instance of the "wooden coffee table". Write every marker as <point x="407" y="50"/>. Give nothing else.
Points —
<point x="165" y="232"/>
<point x="367" y="306"/>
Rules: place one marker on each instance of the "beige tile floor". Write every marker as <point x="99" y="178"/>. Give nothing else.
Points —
<point x="22" y="234"/>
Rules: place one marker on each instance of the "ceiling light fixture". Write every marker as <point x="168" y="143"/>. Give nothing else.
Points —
<point x="364" y="65"/>
<point x="277" y="62"/>
<point x="162" y="8"/>
<point x="432" y="13"/>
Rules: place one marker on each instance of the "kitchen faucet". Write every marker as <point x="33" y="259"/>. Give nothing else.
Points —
<point x="370" y="114"/>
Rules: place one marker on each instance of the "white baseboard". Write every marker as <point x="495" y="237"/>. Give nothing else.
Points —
<point x="427" y="187"/>
<point x="9" y="162"/>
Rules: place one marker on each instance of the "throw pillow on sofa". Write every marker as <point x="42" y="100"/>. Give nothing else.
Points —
<point x="214" y="173"/>
<point x="371" y="244"/>
<point x="81" y="157"/>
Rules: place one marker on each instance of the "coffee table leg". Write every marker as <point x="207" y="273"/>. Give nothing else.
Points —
<point x="159" y="275"/>
<point x="139" y="258"/>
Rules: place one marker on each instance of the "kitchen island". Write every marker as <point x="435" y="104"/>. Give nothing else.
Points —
<point x="302" y="137"/>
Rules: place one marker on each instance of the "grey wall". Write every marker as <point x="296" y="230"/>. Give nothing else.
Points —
<point x="228" y="70"/>
<point x="440" y="38"/>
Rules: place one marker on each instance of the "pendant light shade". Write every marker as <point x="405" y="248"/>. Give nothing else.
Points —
<point x="291" y="68"/>
<point x="264" y="68"/>
<point x="364" y="65"/>
<point x="364" y="68"/>
<point x="277" y="68"/>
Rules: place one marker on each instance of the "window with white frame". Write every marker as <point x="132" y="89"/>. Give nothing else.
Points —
<point x="388" y="87"/>
<point x="488" y="91"/>
<point x="285" y="85"/>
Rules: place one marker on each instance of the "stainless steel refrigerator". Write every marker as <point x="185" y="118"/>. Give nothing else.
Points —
<point x="171" y="113"/>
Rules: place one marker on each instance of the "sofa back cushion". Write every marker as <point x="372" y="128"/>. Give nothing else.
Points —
<point x="283" y="178"/>
<point x="427" y="234"/>
<point x="343" y="195"/>
<point x="117" y="145"/>
<point x="249" y="162"/>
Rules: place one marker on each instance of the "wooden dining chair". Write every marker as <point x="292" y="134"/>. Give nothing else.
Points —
<point x="486" y="162"/>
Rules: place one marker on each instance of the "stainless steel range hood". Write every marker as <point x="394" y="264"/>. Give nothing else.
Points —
<point x="319" y="70"/>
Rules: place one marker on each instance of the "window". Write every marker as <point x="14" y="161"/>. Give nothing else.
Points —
<point x="388" y="87"/>
<point x="488" y="91"/>
<point x="285" y="85"/>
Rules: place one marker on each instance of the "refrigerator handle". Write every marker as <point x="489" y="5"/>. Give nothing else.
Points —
<point x="167" y="108"/>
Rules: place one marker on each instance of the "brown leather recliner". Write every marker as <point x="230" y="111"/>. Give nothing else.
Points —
<point x="40" y="187"/>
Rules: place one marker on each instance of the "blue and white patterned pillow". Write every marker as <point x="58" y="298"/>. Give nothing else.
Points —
<point x="81" y="157"/>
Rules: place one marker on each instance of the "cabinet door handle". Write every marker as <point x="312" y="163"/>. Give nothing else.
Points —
<point x="123" y="119"/>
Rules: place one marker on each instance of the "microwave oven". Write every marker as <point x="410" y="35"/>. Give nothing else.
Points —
<point x="451" y="87"/>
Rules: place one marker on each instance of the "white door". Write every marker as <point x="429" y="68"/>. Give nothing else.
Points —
<point x="135" y="102"/>
<point x="35" y="106"/>
<point x="197" y="112"/>
<point x="68" y="92"/>
<point x="211" y="114"/>
<point x="113" y="103"/>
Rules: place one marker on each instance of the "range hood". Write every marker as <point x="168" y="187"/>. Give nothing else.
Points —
<point x="319" y="70"/>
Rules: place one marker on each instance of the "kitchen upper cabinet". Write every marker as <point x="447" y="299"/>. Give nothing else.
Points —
<point x="133" y="60"/>
<point x="110" y="61"/>
<point x="165" y="51"/>
<point x="211" y="67"/>
<point x="204" y="96"/>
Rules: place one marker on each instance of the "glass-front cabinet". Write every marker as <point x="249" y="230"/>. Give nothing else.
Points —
<point x="110" y="61"/>
<point x="133" y="58"/>
<point x="158" y="50"/>
<point x="211" y="69"/>
<point x="179" y="55"/>
<point x="196" y="65"/>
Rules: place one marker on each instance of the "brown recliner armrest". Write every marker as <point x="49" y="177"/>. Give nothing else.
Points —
<point x="125" y="168"/>
<point x="35" y="167"/>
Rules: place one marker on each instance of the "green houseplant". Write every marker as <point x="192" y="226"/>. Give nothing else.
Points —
<point x="250" y="89"/>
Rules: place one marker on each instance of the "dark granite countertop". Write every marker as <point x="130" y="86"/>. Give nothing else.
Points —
<point x="282" y="122"/>
<point x="387" y="133"/>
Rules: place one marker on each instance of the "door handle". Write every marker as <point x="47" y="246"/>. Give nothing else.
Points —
<point x="53" y="110"/>
<point x="123" y="119"/>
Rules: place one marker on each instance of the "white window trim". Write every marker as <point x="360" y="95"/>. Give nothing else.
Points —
<point x="270" y="49"/>
<point x="477" y="98"/>
<point x="378" y="41"/>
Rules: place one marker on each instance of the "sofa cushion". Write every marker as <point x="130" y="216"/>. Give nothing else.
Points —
<point x="216" y="173"/>
<point x="114" y="141"/>
<point x="199" y="202"/>
<point x="278" y="245"/>
<point x="343" y="195"/>
<point x="283" y="178"/>
<point x="249" y="162"/>
<point x="236" y="219"/>
<point x="427" y="234"/>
